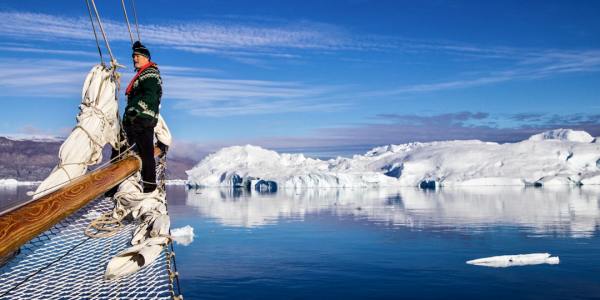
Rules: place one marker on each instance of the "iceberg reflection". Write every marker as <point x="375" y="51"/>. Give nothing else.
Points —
<point x="562" y="210"/>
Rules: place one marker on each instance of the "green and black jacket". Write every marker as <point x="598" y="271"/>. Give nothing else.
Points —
<point x="143" y="94"/>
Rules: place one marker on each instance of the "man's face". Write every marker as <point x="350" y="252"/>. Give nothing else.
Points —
<point x="139" y="61"/>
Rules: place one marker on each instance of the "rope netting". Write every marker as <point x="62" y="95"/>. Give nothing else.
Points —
<point x="64" y="263"/>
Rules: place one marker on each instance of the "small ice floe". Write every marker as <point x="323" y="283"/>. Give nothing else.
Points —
<point x="176" y="182"/>
<point x="504" y="261"/>
<point x="8" y="182"/>
<point x="183" y="235"/>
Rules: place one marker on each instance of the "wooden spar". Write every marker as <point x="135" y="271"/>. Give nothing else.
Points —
<point x="19" y="226"/>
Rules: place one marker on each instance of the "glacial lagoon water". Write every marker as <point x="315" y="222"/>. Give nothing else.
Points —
<point x="386" y="243"/>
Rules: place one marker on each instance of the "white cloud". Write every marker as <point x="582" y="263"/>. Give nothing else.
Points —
<point x="197" y="95"/>
<point x="35" y="77"/>
<point x="248" y="43"/>
<point x="525" y="67"/>
<point x="238" y="39"/>
<point x="225" y="97"/>
<point x="28" y="49"/>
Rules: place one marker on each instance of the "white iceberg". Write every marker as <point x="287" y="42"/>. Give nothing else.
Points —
<point x="557" y="157"/>
<point x="183" y="235"/>
<point x="504" y="261"/>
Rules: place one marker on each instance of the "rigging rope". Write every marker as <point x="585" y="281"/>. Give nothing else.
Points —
<point x="127" y="21"/>
<point x="137" y="27"/>
<point x="112" y="58"/>
<point x="87" y="3"/>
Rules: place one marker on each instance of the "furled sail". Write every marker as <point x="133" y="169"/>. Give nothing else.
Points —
<point x="97" y="125"/>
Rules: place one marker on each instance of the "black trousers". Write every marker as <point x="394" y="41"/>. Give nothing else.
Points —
<point x="140" y="132"/>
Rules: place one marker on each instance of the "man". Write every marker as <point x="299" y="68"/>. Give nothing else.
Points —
<point x="141" y="114"/>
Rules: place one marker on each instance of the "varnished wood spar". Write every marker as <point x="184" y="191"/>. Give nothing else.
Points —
<point x="19" y="226"/>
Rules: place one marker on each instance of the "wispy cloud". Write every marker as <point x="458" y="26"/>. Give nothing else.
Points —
<point x="219" y="38"/>
<point x="225" y="97"/>
<point x="524" y="66"/>
<point x="200" y="92"/>
<point x="196" y="94"/>
<point x="27" y="49"/>
<point x="48" y="78"/>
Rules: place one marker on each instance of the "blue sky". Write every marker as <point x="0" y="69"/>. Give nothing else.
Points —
<point x="323" y="77"/>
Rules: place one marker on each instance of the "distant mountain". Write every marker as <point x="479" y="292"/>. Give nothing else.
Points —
<point x="27" y="160"/>
<point x="33" y="159"/>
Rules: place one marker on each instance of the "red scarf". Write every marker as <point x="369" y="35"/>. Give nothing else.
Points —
<point x="144" y="67"/>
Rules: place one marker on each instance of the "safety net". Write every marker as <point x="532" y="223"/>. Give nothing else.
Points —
<point x="64" y="263"/>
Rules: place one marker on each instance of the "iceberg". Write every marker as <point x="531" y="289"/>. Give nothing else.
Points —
<point x="504" y="261"/>
<point x="557" y="157"/>
<point x="183" y="235"/>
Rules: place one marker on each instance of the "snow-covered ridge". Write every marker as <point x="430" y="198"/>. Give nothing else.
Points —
<point x="557" y="157"/>
<point x="33" y="137"/>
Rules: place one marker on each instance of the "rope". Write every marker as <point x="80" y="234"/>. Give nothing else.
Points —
<point x="94" y="29"/>
<point x="104" y="225"/>
<point x="137" y="27"/>
<point x="162" y="179"/>
<point x="127" y="21"/>
<point x="112" y="58"/>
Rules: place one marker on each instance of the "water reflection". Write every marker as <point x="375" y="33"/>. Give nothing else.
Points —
<point x="11" y="195"/>
<point x="566" y="211"/>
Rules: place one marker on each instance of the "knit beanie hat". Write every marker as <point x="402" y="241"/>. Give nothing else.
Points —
<point x="140" y="49"/>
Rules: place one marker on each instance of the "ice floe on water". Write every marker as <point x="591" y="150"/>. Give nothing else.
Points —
<point x="9" y="182"/>
<point x="183" y="235"/>
<point x="556" y="157"/>
<point x="176" y="182"/>
<point x="504" y="261"/>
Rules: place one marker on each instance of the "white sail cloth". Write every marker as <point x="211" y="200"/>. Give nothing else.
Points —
<point x="152" y="233"/>
<point x="97" y="124"/>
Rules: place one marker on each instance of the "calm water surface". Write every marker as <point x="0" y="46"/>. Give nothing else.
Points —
<point x="386" y="244"/>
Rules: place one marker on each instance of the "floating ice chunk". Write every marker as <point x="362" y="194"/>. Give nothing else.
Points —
<point x="176" y="182"/>
<point x="8" y="182"/>
<point x="183" y="235"/>
<point x="504" y="261"/>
